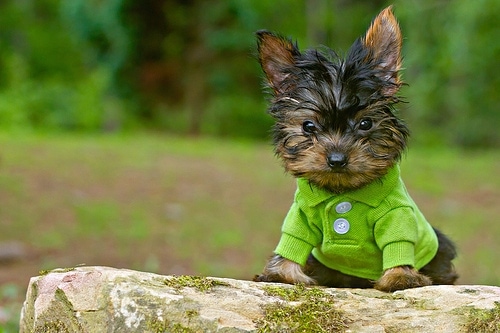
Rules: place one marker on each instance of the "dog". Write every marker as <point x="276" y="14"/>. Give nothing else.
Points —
<point x="352" y="223"/>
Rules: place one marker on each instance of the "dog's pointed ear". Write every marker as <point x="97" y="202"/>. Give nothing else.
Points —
<point x="277" y="56"/>
<point x="383" y="40"/>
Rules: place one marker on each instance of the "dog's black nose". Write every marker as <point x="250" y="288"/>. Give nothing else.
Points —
<point x="337" y="160"/>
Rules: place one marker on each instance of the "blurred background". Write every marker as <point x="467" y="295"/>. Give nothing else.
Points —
<point x="134" y="134"/>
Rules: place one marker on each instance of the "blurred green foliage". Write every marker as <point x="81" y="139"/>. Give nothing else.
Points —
<point x="188" y="66"/>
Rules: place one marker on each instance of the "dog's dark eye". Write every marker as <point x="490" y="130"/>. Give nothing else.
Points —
<point x="365" y="124"/>
<point x="309" y="127"/>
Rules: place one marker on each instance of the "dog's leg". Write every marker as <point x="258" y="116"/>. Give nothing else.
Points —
<point x="279" y="269"/>
<point x="401" y="277"/>
<point x="441" y="269"/>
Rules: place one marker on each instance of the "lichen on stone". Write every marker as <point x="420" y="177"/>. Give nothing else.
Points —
<point x="300" y="309"/>
<point x="164" y="326"/>
<point x="53" y="327"/>
<point x="469" y="291"/>
<point x="202" y="284"/>
<point x="181" y="319"/>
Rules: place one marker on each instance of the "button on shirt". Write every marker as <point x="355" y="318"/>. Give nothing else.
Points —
<point x="341" y="226"/>
<point x="360" y="233"/>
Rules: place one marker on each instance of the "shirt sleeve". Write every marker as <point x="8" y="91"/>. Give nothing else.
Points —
<point x="298" y="238"/>
<point x="396" y="234"/>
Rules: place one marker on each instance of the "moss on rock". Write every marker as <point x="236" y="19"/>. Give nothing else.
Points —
<point x="202" y="284"/>
<point x="301" y="309"/>
<point x="483" y="320"/>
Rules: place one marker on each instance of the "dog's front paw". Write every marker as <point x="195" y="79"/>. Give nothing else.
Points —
<point x="268" y="278"/>
<point x="401" y="277"/>
<point x="279" y="269"/>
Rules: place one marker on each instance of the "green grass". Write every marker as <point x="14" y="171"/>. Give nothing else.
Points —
<point x="203" y="206"/>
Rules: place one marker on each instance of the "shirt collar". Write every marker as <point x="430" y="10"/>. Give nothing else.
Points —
<point x="371" y="194"/>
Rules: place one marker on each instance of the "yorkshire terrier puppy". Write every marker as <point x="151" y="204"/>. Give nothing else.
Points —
<point x="352" y="222"/>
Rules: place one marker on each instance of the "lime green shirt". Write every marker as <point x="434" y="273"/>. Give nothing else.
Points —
<point x="359" y="233"/>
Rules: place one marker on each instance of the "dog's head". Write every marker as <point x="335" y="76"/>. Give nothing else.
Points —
<point x="335" y="121"/>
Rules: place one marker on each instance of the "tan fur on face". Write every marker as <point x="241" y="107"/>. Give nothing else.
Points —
<point x="369" y="157"/>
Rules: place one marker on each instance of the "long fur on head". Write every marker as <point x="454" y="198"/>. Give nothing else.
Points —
<point x="348" y="104"/>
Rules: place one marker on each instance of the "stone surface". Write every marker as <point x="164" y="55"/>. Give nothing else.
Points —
<point x="103" y="299"/>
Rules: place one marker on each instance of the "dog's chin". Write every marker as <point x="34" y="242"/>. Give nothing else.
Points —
<point x="340" y="181"/>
